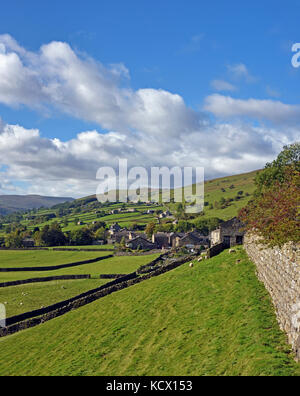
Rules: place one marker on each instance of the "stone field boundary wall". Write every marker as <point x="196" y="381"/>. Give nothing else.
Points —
<point x="45" y="279"/>
<point x="111" y="276"/>
<point x="279" y="270"/>
<point x="215" y="250"/>
<point x="30" y="319"/>
<point x="81" y="250"/>
<point x="23" y="249"/>
<point x="56" y="267"/>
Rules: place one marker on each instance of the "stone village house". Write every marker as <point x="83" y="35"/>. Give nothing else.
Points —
<point x="230" y="233"/>
<point x="140" y="243"/>
<point x="28" y="243"/>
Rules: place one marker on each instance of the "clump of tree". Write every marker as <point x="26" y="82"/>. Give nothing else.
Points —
<point x="14" y="240"/>
<point x="150" y="229"/>
<point x="50" y="235"/>
<point x="81" y="236"/>
<point x="204" y="226"/>
<point x="274" y="212"/>
<point x="276" y="170"/>
<point x="184" y="226"/>
<point x="180" y="211"/>
<point x="100" y="234"/>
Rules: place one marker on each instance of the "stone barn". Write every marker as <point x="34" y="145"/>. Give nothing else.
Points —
<point x="230" y="233"/>
<point x="140" y="243"/>
<point x="28" y="243"/>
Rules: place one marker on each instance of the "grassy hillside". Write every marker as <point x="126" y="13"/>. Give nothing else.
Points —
<point x="114" y="265"/>
<point x="235" y="191"/>
<point x="25" y="298"/>
<point x="86" y="209"/>
<point x="15" y="203"/>
<point x="213" y="319"/>
<point x="43" y="258"/>
<point x="232" y="185"/>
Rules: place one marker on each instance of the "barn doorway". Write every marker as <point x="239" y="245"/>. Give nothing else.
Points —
<point x="226" y="241"/>
<point x="239" y="240"/>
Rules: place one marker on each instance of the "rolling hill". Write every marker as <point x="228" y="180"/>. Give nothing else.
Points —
<point x="224" y="197"/>
<point x="15" y="203"/>
<point x="235" y="191"/>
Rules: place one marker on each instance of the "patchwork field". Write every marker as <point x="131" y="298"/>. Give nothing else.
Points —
<point x="215" y="190"/>
<point x="227" y="188"/>
<point x="31" y="296"/>
<point x="114" y="265"/>
<point x="24" y="298"/>
<point x="213" y="319"/>
<point x="86" y="247"/>
<point x="43" y="258"/>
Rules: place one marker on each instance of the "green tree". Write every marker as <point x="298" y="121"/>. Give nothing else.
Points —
<point x="201" y="226"/>
<point x="50" y="236"/>
<point x="183" y="226"/>
<point x="100" y="234"/>
<point x="274" y="214"/>
<point x="180" y="211"/>
<point x="82" y="236"/>
<point x="14" y="240"/>
<point x="150" y="228"/>
<point x="275" y="172"/>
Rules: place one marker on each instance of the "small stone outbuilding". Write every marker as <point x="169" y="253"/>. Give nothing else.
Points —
<point x="230" y="233"/>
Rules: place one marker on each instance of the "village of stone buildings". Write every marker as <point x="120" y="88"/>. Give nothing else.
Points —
<point x="139" y="239"/>
<point x="228" y="234"/>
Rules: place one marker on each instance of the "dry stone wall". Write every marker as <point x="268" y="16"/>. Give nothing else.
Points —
<point x="279" y="270"/>
<point x="34" y="318"/>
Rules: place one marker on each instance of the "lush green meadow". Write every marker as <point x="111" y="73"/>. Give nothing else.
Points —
<point x="232" y="185"/>
<point x="86" y="247"/>
<point x="213" y="319"/>
<point x="113" y="265"/>
<point x="31" y="296"/>
<point x="227" y="188"/>
<point x="24" y="298"/>
<point x="43" y="258"/>
<point x="88" y="216"/>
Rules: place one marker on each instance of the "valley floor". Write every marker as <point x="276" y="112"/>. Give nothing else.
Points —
<point x="213" y="319"/>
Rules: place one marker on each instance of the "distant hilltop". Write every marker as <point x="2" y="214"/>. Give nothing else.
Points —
<point x="15" y="203"/>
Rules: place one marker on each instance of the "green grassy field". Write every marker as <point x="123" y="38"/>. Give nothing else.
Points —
<point x="43" y="294"/>
<point x="89" y="215"/>
<point x="114" y="265"/>
<point x="24" y="298"/>
<point x="43" y="258"/>
<point x="227" y="188"/>
<point x="86" y="247"/>
<point x="213" y="192"/>
<point x="213" y="319"/>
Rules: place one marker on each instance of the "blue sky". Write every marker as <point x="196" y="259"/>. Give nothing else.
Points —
<point x="227" y="63"/>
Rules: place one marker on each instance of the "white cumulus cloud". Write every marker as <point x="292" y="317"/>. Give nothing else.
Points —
<point x="270" y="110"/>
<point x="149" y="127"/>
<point x="221" y="85"/>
